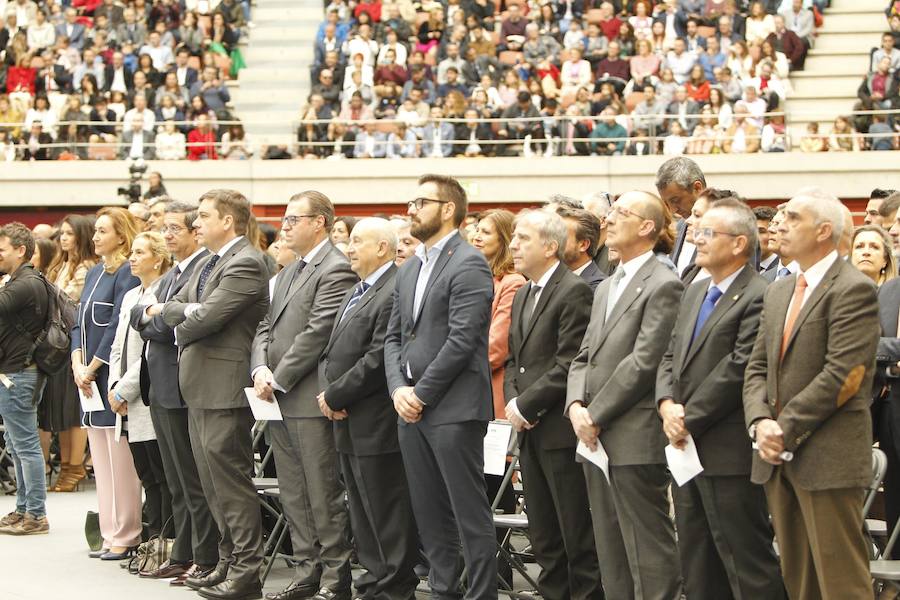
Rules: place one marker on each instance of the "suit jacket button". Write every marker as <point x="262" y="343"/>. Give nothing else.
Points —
<point x="521" y="369"/>
<point x="412" y="336"/>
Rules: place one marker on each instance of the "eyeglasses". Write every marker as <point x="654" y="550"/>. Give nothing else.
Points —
<point x="174" y="229"/>
<point x="624" y="212"/>
<point x="292" y="220"/>
<point x="708" y="233"/>
<point x="418" y="203"/>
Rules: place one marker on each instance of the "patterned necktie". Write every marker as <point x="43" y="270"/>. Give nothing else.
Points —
<point x="358" y="292"/>
<point x="204" y="274"/>
<point x="706" y="309"/>
<point x="796" y="305"/>
<point x="613" y="296"/>
<point x="782" y="273"/>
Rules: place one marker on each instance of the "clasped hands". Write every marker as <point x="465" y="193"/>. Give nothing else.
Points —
<point x="770" y="441"/>
<point x="83" y="377"/>
<point x="407" y="404"/>
<point x="585" y="429"/>
<point x="672" y="415"/>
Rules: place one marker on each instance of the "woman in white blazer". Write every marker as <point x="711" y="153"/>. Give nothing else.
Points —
<point x="150" y="259"/>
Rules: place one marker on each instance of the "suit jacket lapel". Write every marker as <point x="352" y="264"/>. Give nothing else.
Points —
<point x="814" y="299"/>
<point x="631" y="293"/>
<point x="408" y="301"/>
<point x="302" y="277"/>
<point x="207" y="290"/>
<point x="370" y="295"/>
<point x="515" y="319"/>
<point x="441" y="261"/>
<point x="546" y="293"/>
<point x="779" y="301"/>
<point x="728" y="300"/>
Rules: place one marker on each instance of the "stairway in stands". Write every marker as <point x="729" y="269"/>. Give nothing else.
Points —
<point x="836" y="65"/>
<point x="275" y="84"/>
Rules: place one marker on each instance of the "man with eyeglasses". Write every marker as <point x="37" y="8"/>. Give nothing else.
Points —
<point x="724" y="535"/>
<point x="609" y="401"/>
<point x="195" y="550"/>
<point x="284" y="362"/>
<point x="436" y="364"/>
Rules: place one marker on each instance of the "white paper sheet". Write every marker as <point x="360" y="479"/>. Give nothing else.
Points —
<point x="118" y="432"/>
<point x="263" y="410"/>
<point x="496" y="444"/>
<point x="598" y="457"/>
<point x="684" y="464"/>
<point x="92" y="402"/>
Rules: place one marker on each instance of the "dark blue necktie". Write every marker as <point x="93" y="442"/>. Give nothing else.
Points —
<point x="709" y="304"/>
<point x="204" y="274"/>
<point x="358" y="292"/>
<point x="782" y="273"/>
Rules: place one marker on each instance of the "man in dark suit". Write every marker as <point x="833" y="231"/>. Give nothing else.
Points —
<point x="72" y="30"/>
<point x="437" y="369"/>
<point x="724" y="535"/>
<point x="285" y="362"/>
<point x="549" y="317"/>
<point x="581" y="244"/>
<point x="187" y="75"/>
<point x="610" y="401"/>
<point x="768" y="259"/>
<point x="785" y="266"/>
<point x="599" y="204"/>
<point x="886" y="405"/>
<point x="118" y="77"/>
<point x="195" y="551"/>
<point x="807" y="391"/>
<point x="356" y="399"/>
<point x="679" y="182"/>
<point x="215" y="316"/>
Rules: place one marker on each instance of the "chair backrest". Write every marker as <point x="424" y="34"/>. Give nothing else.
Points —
<point x="879" y="468"/>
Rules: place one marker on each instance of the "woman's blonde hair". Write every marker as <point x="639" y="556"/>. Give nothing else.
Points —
<point x="125" y="228"/>
<point x="158" y="249"/>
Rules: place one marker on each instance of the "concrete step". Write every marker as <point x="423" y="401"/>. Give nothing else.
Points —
<point x="283" y="76"/>
<point x="281" y="54"/>
<point x="839" y="61"/>
<point x="303" y="39"/>
<point x="848" y="40"/>
<point x="826" y="84"/>
<point x="837" y="5"/>
<point x="854" y="19"/>
<point x="301" y="63"/>
<point x="809" y="108"/>
<point x="281" y="33"/>
<point x="265" y="94"/>
<point x="287" y="13"/>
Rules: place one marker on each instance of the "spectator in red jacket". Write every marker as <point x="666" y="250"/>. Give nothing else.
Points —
<point x="201" y="144"/>
<point x="786" y="41"/>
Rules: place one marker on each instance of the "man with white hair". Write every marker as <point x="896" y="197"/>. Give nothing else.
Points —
<point x="807" y="392"/>
<point x="355" y="398"/>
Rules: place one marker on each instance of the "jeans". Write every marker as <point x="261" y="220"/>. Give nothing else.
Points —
<point x="19" y="412"/>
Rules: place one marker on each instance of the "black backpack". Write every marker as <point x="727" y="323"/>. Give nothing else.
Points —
<point x="51" y="349"/>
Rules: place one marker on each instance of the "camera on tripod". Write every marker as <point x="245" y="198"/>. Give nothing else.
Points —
<point x="132" y="192"/>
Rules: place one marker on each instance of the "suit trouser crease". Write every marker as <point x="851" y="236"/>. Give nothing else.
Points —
<point x="313" y="499"/>
<point x="196" y="534"/>
<point x="445" y="466"/>
<point x="220" y="439"/>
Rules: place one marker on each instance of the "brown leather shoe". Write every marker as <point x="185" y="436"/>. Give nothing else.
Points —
<point x="166" y="570"/>
<point x="195" y="572"/>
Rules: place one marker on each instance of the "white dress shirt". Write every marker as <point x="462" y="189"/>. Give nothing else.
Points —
<point x="631" y="268"/>
<point x="725" y="283"/>
<point x="686" y="256"/>
<point x="428" y="258"/>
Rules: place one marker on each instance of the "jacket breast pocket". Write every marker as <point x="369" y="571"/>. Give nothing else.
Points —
<point x="229" y="354"/>
<point x="101" y="313"/>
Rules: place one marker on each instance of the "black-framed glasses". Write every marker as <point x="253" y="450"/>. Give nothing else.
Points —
<point x="708" y="233"/>
<point x="292" y="220"/>
<point x="418" y="203"/>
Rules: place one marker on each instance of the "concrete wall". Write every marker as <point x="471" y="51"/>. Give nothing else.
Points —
<point x="69" y="185"/>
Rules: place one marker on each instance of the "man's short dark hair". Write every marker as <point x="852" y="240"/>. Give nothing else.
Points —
<point x="449" y="190"/>
<point x="587" y="226"/>
<point x="889" y="206"/>
<point x="880" y="194"/>
<point x="188" y="209"/>
<point x="19" y="235"/>
<point x="231" y="202"/>
<point x="764" y="213"/>
<point x="713" y="195"/>
<point x="319" y="205"/>
<point x="523" y="97"/>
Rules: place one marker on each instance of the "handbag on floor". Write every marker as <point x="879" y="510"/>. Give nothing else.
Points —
<point x="153" y="553"/>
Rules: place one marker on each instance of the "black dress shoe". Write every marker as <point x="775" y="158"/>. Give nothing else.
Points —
<point x="208" y="579"/>
<point x="295" y="591"/>
<point x="233" y="589"/>
<point x="326" y="594"/>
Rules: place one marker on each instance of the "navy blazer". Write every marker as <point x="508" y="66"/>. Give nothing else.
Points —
<point x="446" y="345"/>
<point x="95" y="328"/>
<point x="592" y="275"/>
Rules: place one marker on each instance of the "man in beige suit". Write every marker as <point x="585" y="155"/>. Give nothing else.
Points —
<point x="610" y="399"/>
<point x="806" y="401"/>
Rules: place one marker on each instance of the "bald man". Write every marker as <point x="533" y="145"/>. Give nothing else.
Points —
<point x="43" y="231"/>
<point x="610" y="401"/>
<point x="355" y="398"/>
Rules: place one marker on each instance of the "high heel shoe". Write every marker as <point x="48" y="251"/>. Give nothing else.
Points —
<point x="126" y="553"/>
<point x="71" y="482"/>
<point x="98" y="553"/>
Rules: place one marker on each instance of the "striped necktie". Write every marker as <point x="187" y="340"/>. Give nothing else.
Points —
<point x="358" y="292"/>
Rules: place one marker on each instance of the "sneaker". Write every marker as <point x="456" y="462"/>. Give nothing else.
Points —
<point x="31" y="526"/>
<point x="11" y="521"/>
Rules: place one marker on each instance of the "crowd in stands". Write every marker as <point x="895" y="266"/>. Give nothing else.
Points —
<point x="105" y="79"/>
<point x="562" y="77"/>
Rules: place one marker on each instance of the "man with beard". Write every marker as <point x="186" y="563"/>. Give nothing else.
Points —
<point x="581" y="244"/>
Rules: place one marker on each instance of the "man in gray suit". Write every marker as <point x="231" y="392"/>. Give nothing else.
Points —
<point x="355" y="398"/>
<point x="724" y="535"/>
<point x="196" y="534"/>
<point x="610" y="401"/>
<point x="215" y="316"/>
<point x="285" y="362"/>
<point x="437" y="369"/>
